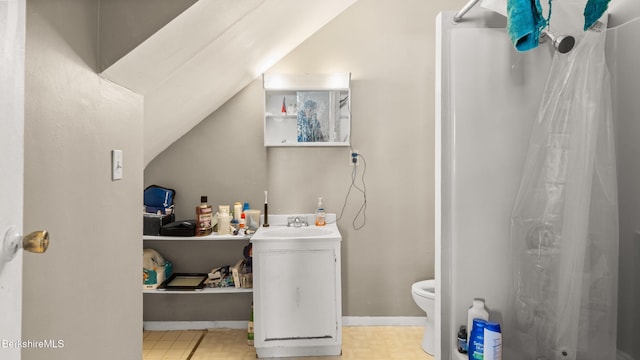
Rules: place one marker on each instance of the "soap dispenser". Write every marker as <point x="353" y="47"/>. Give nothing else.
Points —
<point x="320" y="214"/>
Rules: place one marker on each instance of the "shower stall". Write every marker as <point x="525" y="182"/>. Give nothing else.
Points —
<point x="488" y="102"/>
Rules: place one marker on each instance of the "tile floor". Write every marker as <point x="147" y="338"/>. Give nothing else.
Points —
<point x="170" y="345"/>
<point x="358" y="343"/>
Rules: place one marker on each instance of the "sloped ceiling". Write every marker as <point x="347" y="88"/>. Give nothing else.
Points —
<point x="207" y="54"/>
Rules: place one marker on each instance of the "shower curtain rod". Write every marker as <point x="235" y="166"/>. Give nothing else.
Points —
<point x="562" y="43"/>
<point x="458" y="16"/>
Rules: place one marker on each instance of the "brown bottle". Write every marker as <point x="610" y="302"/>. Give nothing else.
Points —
<point x="204" y="218"/>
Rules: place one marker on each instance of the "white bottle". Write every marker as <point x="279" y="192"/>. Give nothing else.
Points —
<point x="492" y="344"/>
<point x="476" y="311"/>
<point x="224" y="220"/>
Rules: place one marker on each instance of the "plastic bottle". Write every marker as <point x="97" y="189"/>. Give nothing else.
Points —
<point x="237" y="210"/>
<point x="242" y="224"/>
<point x="250" y="334"/>
<point x="462" y="339"/>
<point x="492" y="341"/>
<point x="224" y="220"/>
<point x="476" y="340"/>
<point x="320" y="214"/>
<point x="476" y="311"/>
<point x="204" y="217"/>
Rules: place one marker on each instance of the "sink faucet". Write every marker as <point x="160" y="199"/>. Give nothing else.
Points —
<point x="296" y="222"/>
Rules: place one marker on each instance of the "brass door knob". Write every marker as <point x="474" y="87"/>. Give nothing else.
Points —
<point x="35" y="242"/>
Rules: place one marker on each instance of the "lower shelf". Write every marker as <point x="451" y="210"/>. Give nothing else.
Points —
<point x="227" y="290"/>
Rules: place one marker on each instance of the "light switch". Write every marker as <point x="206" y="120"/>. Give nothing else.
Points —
<point x="116" y="165"/>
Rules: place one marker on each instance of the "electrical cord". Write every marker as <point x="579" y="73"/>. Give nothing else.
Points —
<point x="363" y="190"/>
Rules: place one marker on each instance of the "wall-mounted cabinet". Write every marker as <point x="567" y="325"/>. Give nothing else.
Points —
<point x="307" y="110"/>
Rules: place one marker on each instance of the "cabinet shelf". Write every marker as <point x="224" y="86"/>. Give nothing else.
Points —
<point x="212" y="237"/>
<point x="282" y="116"/>
<point x="227" y="290"/>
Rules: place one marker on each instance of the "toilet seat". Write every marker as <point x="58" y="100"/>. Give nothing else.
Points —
<point x="425" y="288"/>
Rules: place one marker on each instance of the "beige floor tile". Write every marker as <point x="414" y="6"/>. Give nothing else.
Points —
<point x="153" y="335"/>
<point x="170" y="335"/>
<point x="162" y="345"/>
<point x="359" y="343"/>
<point x="154" y="355"/>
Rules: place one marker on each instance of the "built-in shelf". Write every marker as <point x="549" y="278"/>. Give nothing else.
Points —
<point x="282" y="116"/>
<point x="212" y="237"/>
<point x="227" y="290"/>
<point x="324" y="144"/>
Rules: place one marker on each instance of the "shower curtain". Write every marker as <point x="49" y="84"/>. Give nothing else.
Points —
<point x="564" y="224"/>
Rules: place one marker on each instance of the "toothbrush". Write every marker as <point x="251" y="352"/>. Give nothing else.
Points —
<point x="266" y="211"/>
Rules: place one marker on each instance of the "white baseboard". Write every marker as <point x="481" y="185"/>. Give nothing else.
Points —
<point x="383" y="320"/>
<point x="346" y="321"/>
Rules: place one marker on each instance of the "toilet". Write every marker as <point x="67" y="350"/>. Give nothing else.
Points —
<point x="424" y="294"/>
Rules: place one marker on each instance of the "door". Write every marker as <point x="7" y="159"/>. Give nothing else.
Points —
<point x="12" y="32"/>
<point x="298" y="291"/>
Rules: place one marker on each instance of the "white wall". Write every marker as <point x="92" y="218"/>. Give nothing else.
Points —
<point x="86" y="289"/>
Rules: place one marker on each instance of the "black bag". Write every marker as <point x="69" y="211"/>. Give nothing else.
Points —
<point x="179" y="228"/>
<point x="152" y="223"/>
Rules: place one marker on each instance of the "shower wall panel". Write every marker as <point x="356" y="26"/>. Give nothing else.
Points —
<point x="490" y="99"/>
<point x="624" y="57"/>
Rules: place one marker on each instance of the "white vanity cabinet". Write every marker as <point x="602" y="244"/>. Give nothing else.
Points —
<point x="297" y="293"/>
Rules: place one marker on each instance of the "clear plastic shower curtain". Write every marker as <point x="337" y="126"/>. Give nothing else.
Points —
<point x="564" y="225"/>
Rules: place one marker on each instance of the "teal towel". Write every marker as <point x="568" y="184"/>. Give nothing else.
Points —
<point x="524" y="23"/>
<point x="593" y="11"/>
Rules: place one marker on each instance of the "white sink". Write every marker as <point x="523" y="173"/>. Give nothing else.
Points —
<point x="295" y="232"/>
<point x="279" y="230"/>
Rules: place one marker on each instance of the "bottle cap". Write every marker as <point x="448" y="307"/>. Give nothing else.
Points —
<point x="462" y="333"/>
<point x="203" y="198"/>
<point x="492" y="326"/>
